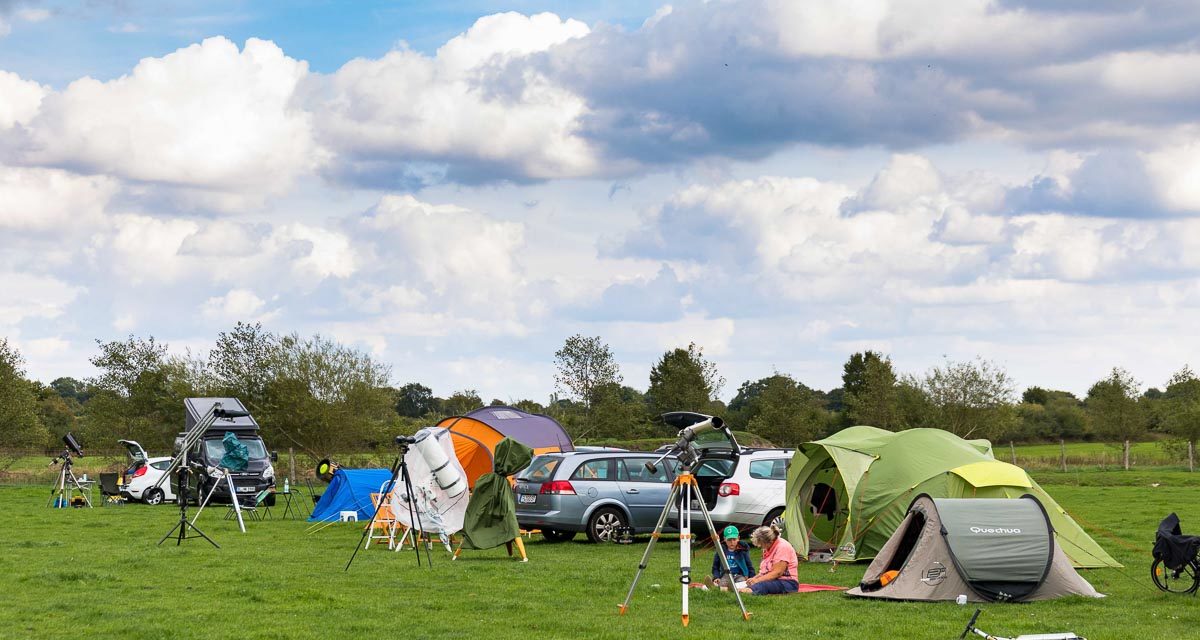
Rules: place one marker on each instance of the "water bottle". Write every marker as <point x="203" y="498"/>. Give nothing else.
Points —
<point x="285" y="486"/>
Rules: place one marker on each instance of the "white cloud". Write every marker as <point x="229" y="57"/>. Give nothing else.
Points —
<point x="33" y="15"/>
<point x="206" y="117"/>
<point x="19" y="99"/>
<point x="460" y="107"/>
<point x="459" y="254"/>
<point x="24" y="296"/>
<point x="52" y="201"/>
<point x="236" y="305"/>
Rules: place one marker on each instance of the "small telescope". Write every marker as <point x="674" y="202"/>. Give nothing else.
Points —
<point x="71" y="448"/>
<point x="405" y="440"/>
<point x="228" y="414"/>
<point x="683" y="449"/>
<point x="73" y="445"/>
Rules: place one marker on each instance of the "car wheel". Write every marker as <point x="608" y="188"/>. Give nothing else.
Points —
<point x="555" y="535"/>
<point x="775" y="517"/>
<point x="602" y="526"/>
<point x="153" y="496"/>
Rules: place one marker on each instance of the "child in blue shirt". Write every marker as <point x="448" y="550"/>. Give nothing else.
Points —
<point x="738" y="555"/>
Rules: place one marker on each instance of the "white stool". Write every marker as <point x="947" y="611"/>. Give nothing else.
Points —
<point x="348" y="516"/>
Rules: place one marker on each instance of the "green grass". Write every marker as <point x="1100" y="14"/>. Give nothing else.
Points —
<point x="99" y="574"/>
<point x="1093" y="455"/>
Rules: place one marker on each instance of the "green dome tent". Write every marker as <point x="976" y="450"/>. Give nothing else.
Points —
<point x="849" y="492"/>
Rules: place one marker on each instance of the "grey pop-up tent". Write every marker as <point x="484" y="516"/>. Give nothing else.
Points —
<point x="989" y="550"/>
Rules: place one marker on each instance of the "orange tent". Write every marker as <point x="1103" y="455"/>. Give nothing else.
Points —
<point x="476" y="435"/>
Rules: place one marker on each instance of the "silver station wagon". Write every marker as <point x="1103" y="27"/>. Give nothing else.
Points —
<point x="592" y="492"/>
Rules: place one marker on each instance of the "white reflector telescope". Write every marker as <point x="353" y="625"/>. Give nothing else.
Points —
<point x="448" y="478"/>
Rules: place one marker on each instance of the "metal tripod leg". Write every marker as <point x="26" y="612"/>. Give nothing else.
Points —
<point x="724" y="560"/>
<point x="662" y="520"/>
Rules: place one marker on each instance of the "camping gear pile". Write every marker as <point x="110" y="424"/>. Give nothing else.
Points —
<point x="458" y="477"/>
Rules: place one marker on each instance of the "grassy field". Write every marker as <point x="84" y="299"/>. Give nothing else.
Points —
<point x="98" y="574"/>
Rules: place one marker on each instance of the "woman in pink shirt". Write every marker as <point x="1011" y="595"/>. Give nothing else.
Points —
<point x="777" y="571"/>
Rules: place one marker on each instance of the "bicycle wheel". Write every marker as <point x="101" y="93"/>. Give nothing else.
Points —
<point x="1185" y="580"/>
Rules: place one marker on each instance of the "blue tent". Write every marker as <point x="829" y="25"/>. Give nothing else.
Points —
<point x="349" y="490"/>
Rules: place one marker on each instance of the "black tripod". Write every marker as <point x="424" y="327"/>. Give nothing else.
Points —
<point x="66" y="484"/>
<point x="399" y="469"/>
<point x="183" y="525"/>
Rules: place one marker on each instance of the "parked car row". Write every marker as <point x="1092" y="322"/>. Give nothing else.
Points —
<point x="599" y="492"/>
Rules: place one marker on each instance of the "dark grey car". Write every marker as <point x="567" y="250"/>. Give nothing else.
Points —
<point x="594" y="492"/>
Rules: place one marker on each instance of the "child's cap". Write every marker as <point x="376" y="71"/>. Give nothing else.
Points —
<point x="732" y="533"/>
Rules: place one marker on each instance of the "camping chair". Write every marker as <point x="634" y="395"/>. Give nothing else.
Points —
<point x="383" y="527"/>
<point x="259" y="510"/>
<point x="110" y="490"/>
<point x="312" y="493"/>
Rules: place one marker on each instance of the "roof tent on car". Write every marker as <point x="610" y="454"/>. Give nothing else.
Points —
<point x="847" y="493"/>
<point x="198" y="407"/>
<point x="989" y="550"/>
<point x="476" y="435"/>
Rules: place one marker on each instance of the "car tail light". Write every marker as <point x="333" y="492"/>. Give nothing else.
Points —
<point x="140" y="472"/>
<point x="729" y="489"/>
<point x="557" y="488"/>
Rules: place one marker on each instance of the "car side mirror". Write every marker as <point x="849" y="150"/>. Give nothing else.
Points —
<point x="274" y="456"/>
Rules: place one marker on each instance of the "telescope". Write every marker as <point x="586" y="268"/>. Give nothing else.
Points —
<point x="684" y="448"/>
<point x="71" y="448"/>
<point x="405" y="440"/>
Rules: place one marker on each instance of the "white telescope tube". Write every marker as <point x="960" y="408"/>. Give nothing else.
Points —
<point x="448" y="478"/>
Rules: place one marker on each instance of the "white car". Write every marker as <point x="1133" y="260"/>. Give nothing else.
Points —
<point x="143" y="473"/>
<point x="753" y="493"/>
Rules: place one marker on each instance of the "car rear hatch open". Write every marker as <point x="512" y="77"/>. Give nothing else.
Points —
<point x="718" y="450"/>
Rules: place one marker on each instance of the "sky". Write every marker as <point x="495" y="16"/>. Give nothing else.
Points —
<point x="457" y="187"/>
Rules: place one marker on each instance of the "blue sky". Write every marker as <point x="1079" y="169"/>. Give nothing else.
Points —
<point x="457" y="187"/>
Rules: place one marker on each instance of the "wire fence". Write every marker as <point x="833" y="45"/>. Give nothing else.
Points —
<point x="32" y="466"/>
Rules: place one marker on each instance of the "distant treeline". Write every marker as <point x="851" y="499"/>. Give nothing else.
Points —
<point x="322" y="397"/>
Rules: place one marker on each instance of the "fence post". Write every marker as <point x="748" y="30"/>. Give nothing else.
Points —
<point x="292" y="464"/>
<point x="1013" y="449"/>
<point x="1127" y="455"/>
<point x="1191" y="456"/>
<point x="1062" y="456"/>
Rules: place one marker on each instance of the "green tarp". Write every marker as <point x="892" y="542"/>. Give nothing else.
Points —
<point x="491" y="518"/>
<point x="236" y="455"/>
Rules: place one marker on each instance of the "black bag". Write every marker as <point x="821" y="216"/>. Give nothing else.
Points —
<point x="1172" y="547"/>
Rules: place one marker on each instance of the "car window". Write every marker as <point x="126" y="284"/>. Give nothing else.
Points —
<point x="161" y="466"/>
<point x="636" y="471"/>
<point x="594" y="470"/>
<point x="769" y="469"/>
<point x="541" y="469"/>
<point x="716" y="467"/>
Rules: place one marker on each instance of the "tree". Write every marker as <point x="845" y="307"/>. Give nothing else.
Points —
<point x="414" y="400"/>
<point x="20" y="425"/>
<point x="70" y="389"/>
<point x="682" y="380"/>
<point x="243" y="362"/>
<point x="870" y="391"/>
<point x="138" y="394"/>
<point x="327" y="397"/>
<point x="583" y="364"/>
<point x="1181" y="409"/>
<point x="972" y="398"/>
<point x="1112" y="405"/>
<point x="462" y="402"/>
<point x="786" y="412"/>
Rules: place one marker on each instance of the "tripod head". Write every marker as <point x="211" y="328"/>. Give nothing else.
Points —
<point x="64" y="457"/>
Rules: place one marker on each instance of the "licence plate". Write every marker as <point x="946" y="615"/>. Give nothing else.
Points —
<point x="245" y="489"/>
<point x="527" y="498"/>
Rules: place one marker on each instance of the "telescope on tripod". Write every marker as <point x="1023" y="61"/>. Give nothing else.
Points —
<point x="685" y="492"/>
<point x="182" y="467"/>
<point x="66" y="483"/>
